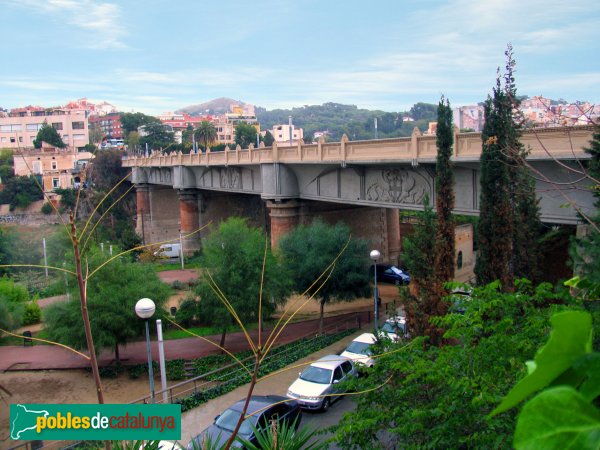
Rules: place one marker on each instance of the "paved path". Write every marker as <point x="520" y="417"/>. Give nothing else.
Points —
<point x="40" y="357"/>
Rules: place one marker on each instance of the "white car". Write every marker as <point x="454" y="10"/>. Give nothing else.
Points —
<point x="359" y="350"/>
<point x="395" y="328"/>
<point x="313" y="388"/>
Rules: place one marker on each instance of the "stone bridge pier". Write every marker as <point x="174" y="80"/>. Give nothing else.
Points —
<point x="164" y="212"/>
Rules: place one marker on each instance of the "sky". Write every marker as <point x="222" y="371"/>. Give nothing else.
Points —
<point x="155" y="56"/>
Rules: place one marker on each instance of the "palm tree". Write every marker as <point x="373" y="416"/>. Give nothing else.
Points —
<point x="206" y="132"/>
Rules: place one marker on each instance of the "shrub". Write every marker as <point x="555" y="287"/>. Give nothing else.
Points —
<point x="32" y="314"/>
<point x="136" y="371"/>
<point x="187" y="312"/>
<point x="47" y="208"/>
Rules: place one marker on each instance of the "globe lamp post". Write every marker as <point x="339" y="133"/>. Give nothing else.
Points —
<point x="144" y="308"/>
<point x="375" y="255"/>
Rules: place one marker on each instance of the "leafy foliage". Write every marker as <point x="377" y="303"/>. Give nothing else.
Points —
<point x="338" y="119"/>
<point x="309" y="250"/>
<point x="283" y="436"/>
<point x="20" y="192"/>
<point x="32" y="313"/>
<point x="245" y="134"/>
<point x="563" y="414"/>
<point x="268" y="139"/>
<point x="157" y="136"/>
<point x="233" y="257"/>
<point x="585" y="249"/>
<point x="48" y="135"/>
<point x="440" y="397"/>
<point x="206" y="133"/>
<point x="444" y="184"/>
<point x="130" y="122"/>
<point x="112" y="294"/>
<point x="6" y="165"/>
<point x="509" y="224"/>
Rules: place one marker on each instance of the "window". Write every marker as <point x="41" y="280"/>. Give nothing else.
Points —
<point x="55" y="183"/>
<point x="347" y="366"/>
<point x="65" y="137"/>
<point x="338" y="374"/>
<point x="54" y="165"/>
<point x="33" y="126"/>
<point x="2" y="139"/>
<point x="459" y="260"/>
<point x="78" y="125"/>
<point x="57" y="126"/>
<point x="9" y="128"/>
<point x="20" y="138"/>
<point x="78" y="136"/>
<point x="13" y="140"/>
<point x="36" y="167"/>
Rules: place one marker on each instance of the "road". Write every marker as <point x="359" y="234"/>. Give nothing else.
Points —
<point x="197" y="419"/>
<point x="321" y="421"/>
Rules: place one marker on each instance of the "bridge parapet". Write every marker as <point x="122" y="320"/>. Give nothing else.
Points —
<point x="544" y="144"/>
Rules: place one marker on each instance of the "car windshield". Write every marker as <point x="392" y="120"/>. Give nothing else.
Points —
<point x="316" y="375"/>
<point x="389" y="327"/>
<point x="360" y="348"/>
<point x="229" y="419"/>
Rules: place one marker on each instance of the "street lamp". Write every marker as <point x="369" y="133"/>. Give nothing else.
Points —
<point x="375" y="255"/>
<point x="144" y="308"/>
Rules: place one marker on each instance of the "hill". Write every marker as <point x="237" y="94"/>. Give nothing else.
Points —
<point x="357" y="124"/>
<point x="217" y="106"/>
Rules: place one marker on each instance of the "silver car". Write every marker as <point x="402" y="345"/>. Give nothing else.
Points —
<point x="316" y="384"/>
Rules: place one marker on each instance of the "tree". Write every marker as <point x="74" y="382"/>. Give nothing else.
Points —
<point x="268" y="139"/>
<point x="585" y="249"/>
<point x="423" y="111"/>
<point x="309" y="250"/>
<point x="245" y="134"/>
<point x="441" y="397"/>
<point x="444" y="184"/>
<point x="130" y="122"/>
<point x="233" y="256"/>
<point x="420" y="256"/>
<point x="48" y="135"/>
<point x="509" y="212"/>
<point x="96" y="135"/>
<point x="526" y="212"/>
<point x="495" y="228"/>
<point x="206" y="133"/>
<point x="20" y="192"/>
<point x="6" y="166"/>
<point x="111" y="303"/>
<point x="157" y="135"/>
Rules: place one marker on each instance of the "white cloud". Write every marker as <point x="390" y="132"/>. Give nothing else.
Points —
<point x="101" y="18"/>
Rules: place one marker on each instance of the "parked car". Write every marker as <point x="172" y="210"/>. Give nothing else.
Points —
<point x="267" y="408"/>
<point x="359" y="350"/>
<point x="395" y="328"/>
<point x="387" y="273"/>
<point x="315" y="384"/>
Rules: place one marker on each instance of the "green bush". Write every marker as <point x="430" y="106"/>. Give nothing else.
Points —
<point x="47" y="209"/>
<point x="31" y="314"/>
<point x="11" y="292"/>
<point x="175" y="369"/>
<point x="187" y="312"/>
<point x="136" y="371"/>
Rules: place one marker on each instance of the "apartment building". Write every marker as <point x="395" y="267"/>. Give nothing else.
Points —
<point x="20" y="126"/>
<point x="284" y="134"/>
<point x="55" y="167"/>
<point x="109" y="124"/>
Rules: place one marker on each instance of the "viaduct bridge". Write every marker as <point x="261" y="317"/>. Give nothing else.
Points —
<point x="364" y="183"/>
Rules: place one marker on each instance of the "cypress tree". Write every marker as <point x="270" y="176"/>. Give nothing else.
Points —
<point x="444" y="185"/>
<point x="495" y="227"/>
<point x="526" y="212"/>
<point x="585" y="249"/>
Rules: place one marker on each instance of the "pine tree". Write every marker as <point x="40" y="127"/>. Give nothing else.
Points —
<point x="444" y="184"/>
<point x="49" y="135"/>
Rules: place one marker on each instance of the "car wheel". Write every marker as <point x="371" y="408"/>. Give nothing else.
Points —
<point x="326" y="404"/>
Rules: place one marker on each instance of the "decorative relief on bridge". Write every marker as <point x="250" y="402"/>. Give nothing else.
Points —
<point x="231" y="178"/>
<point x="399" y="186"/>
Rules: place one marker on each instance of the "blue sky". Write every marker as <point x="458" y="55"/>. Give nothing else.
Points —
<point x="154" y="56"/>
